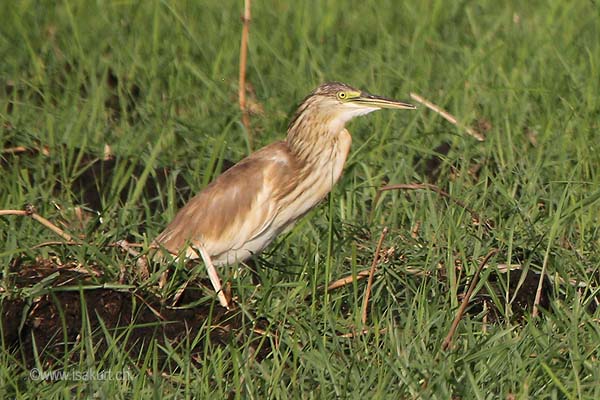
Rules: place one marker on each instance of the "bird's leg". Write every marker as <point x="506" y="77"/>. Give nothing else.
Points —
<point x="214" y="276"/>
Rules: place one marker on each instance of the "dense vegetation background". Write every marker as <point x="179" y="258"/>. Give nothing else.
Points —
<point x="156" y="81"/>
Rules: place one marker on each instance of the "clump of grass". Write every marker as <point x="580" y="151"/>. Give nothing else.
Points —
<point x="157" y="82"/>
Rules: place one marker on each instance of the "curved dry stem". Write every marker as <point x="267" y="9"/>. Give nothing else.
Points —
<point x="465" y="301"/>
<point x="365" y="304"/>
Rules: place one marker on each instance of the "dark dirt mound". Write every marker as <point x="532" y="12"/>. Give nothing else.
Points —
<point x="53" y="321"/>
<point x="522" y="288"/>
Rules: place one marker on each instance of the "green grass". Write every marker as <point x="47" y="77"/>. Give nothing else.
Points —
<point x="532" y="69"/>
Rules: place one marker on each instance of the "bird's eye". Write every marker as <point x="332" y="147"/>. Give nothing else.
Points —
<point x="342" y="95"/>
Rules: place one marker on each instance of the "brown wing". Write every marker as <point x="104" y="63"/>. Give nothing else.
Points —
<point x="234" y="208"/>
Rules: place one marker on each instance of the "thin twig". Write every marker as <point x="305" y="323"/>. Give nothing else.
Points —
<point x="538" y="292"/>
<point x="22" y="149"/>
<point x="465" y="301"/>
<point x="414" y="232"/>
<point x="365" y="304"/>
<point x="30" y="212"/>
<point x="125" y="245"/>
<point x="14" y="150"/>
<point x="242" y="80"/>
<point x="349" y="279"/>
<point x="13" y="212"/>
<point x="447" y="116"/>
<point x="360" y="275"/>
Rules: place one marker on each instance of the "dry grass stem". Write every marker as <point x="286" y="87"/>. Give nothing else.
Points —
<point x="22" y="149"/>
<point x="349" y="279"/>
<point x="538" y="292"/>
<point x="30" y="212"/>
<point x="125" y="245"/>
<point x="179" y="293"/>
<point x="14" y="150"/>
<point x="360" y="275"/>
<point x="242" y="80"/>
<point x="447" y="116"/>
<point x="365" y="304"/>
<point x="465" y="301"/>
<point x="108" y="152"/>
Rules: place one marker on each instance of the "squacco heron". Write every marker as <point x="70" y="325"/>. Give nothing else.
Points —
<point x="246" y="207"/>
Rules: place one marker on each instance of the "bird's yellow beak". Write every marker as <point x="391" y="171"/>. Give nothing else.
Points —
<point x="371" y="100"/>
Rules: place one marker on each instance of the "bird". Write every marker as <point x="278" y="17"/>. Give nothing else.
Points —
<point x="244" y="209"/>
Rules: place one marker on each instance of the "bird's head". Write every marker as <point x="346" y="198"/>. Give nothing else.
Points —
<point x="332" y="104"/>
<point x="344" y="102"/>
